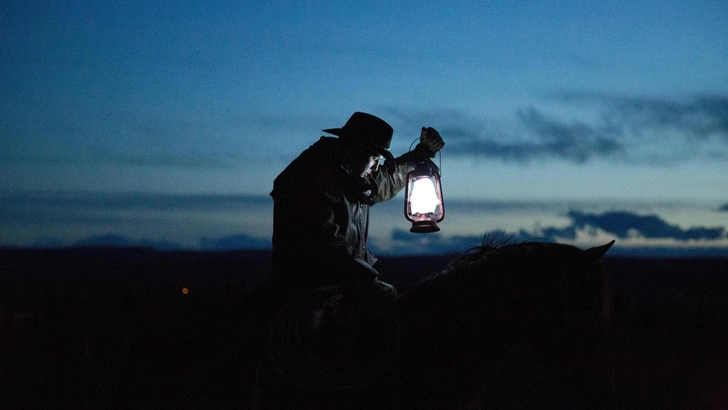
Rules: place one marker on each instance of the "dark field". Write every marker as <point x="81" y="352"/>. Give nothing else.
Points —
<point x="111" y="328"/>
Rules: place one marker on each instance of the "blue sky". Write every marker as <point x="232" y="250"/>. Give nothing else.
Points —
<point x="166" y="122"/>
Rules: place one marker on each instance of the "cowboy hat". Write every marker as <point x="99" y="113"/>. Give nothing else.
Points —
<point x="367" y="131"/>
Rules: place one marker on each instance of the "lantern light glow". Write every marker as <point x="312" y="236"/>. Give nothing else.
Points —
<point x="423" y="199"/>
<point x="423" y="205"/>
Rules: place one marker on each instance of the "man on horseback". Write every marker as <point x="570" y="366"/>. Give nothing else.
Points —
<point x="320" y="229"/>
<point x="322" y="200"/>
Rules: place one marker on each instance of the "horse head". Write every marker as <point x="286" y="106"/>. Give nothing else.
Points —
<point x="553" y="297"/>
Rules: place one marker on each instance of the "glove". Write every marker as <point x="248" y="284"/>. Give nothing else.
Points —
<point x="373" y="288"/>
<point x="430" y="143"/>
<point x="383" y="290"/>
<point x="431" y="140"/>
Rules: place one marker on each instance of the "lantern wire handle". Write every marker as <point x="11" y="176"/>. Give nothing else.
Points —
<point x="413" y="143"/>
<point x="438" y="152"/>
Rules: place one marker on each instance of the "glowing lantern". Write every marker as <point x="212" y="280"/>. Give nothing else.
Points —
<point x="423" y="205"/>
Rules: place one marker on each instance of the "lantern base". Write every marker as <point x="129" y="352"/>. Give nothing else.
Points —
<point x="424" y="227"/>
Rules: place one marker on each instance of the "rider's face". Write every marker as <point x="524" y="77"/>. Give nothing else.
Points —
<point x="364" y="163"/>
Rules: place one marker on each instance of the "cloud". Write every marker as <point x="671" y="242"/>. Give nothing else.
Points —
<point x="533" y="135"/>
<point x="660" y="130"/>
<point x="578" y="127"/>
<point x="218" y="222"/>
<point x="186" y="161"/>
<point x="26" y="202"/>
<point x="89" y="138"/>
<point x="115" y="240"/>
<point x="627" y="225"/>
<point x="699" y="117"/>
<point x="167" y="137"/>
<point x="69" y="216"/>
<point x="577" y="141"/>
<point x="622" y="225"/>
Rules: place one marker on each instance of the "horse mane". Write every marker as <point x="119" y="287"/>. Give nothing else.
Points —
<point x="478" y="253"/>
<point x="561" y="275"/>
<point x="462" y="286"/>
<point x="465" y="264"/>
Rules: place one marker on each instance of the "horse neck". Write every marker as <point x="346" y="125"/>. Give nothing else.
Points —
<point x="452" y="338"/>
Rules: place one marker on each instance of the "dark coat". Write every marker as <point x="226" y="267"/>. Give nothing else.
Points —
<point x="321" y="217"/>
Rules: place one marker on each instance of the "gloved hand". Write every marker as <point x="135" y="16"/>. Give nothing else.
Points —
<point x="383" y="290"/>
<point x="374" y="288"/>
<point x="431" y="140"/>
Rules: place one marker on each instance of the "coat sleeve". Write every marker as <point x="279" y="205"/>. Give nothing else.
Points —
<point x="389" y="180"/>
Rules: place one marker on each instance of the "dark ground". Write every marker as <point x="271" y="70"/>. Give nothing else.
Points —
<point x="111" y="328"/>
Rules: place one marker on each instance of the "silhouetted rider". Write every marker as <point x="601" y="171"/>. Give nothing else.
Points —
<point x="320" y="226"/>
<point x="322" y="200"/>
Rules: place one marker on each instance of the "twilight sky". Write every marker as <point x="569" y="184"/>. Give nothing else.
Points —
<point x="165" y="123"/>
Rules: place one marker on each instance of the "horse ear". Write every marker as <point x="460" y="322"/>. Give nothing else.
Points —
<point x="597" y="253"/>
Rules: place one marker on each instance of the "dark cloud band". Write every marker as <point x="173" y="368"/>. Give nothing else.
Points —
<point x="627" y="129"/>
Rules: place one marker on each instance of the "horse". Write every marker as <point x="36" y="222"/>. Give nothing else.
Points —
<point x="511" y="325"/>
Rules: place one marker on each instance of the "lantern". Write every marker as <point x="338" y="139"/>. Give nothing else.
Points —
<point x="423" y="205"/>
